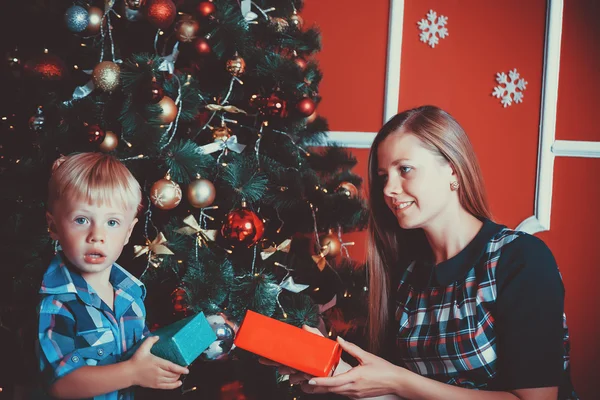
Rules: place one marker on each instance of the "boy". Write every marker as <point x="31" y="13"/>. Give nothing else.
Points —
<point x="92" y="310"/>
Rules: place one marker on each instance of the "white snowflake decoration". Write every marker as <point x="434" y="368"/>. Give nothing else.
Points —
<point x="513" y="86"/>
<point x="430" y="28"/>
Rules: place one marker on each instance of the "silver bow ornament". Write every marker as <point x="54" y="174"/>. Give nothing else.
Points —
<point x="231" y="144"/>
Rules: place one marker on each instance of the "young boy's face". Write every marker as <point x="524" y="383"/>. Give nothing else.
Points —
<point x="91" y="236"/>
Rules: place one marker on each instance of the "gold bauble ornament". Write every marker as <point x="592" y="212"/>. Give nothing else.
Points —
<point x="296" y="20"/>
<point x="106" y="76"/>
<point x="221" y="133"/>
<point x="169" y="110"/>
<point x="186" y="30"/>
<point x="236" y="66"/>
<point x="280" y="24"/>
<point x="201" y="193"/>
<point x="109" y="143"/>
<point x="348" y="189"/>
<point x="165" y="194"/>
<point x="331" y="244"/>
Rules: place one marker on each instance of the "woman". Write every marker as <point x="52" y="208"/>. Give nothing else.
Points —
<point x="475" y="305"/>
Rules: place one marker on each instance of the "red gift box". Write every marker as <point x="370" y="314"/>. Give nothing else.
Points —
<point x="288" y="345"/>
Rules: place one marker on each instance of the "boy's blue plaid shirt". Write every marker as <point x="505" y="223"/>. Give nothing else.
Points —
<point x="76" y="328"/>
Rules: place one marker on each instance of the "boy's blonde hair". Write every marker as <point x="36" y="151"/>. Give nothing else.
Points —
<point x="94" y="177"/>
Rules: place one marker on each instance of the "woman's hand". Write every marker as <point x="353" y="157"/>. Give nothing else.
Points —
<point x="373" y="377"/>
<point x="297" y="377"/>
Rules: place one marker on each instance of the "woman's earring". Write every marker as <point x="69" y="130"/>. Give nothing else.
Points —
<point x="454" y="185"/>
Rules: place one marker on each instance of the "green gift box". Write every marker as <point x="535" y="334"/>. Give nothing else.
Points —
<point x="182" y="341"/>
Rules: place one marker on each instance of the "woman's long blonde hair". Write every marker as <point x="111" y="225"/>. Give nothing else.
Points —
<point x="388" y="244"/>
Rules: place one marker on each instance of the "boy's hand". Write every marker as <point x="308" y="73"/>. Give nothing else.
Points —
<point x="154" y="372"/>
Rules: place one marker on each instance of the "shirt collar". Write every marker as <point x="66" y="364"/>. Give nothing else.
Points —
<point x="60" y="279"/>
<point x="455" y="268"/>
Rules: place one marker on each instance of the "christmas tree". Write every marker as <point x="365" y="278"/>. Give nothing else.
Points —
<point x="212" y="106"/>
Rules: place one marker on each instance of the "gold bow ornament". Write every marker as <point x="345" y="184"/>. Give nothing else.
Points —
<point x="153" y="248"/>
<point x="194" y="229"/>
<point x="320" y="259"/>
<point x="229" y="108"/>
<point x="269" y="251"/>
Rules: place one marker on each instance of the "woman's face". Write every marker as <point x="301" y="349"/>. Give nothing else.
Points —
<point x="416" y="181"/>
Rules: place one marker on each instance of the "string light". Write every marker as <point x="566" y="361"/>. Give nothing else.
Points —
<point x="46" y="51"/>
<point x="189" y="390"/>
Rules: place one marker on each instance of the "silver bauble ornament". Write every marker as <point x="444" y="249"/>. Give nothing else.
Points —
<point x="201" y="193"/>
<point x="225" y="331"/>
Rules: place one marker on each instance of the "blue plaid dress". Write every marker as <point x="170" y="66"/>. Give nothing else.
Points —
<point x="489" y="318"/>
<point x="76" y="328"/>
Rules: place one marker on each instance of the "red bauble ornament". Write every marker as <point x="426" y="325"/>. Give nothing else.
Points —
<point x="95" y="134"/>
<point x="161" y="13"/>
<point x="202" y="118"/>
<point x="348" y="189"/>
<point x="242" y="227"/>
<point x="276" y="106"/>
<point x="311" y="118"/>
<point x="206" y="8"/>
<point x="96" y="17"/>
<point x="178" y="297"/>
<point x="46" y="66"/>
<point x="272" y="106"/>
<point x="301" y="63"/>
<point x="202" y="46"/>
<point x="306" y="106"/>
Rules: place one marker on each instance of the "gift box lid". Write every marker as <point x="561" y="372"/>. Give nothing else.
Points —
<point x="183" y="341"/>
<point x="288" y="345"/>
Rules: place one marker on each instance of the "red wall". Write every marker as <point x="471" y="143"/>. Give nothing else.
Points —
<point x="459" y="76"/>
